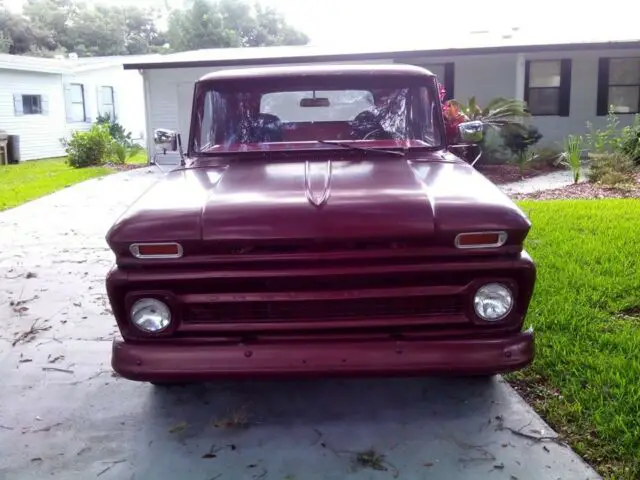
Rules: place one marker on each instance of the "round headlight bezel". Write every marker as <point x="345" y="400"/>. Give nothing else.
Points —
<point x="502" y="285"/>
<point x="146" y="302"/>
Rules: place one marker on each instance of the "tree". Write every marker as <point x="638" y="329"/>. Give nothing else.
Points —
<point x="48" y="27"/>
<point x="229" y="23"/>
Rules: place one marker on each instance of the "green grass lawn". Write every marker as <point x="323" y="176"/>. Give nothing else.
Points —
<point x="30" y="180"/>
<point x="585" y="380"/>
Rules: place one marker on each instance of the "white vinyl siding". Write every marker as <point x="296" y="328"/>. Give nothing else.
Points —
<point x="39" y="133"/>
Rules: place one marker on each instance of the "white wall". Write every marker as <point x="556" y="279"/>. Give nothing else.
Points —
<point x="39" y="134"/>
<point x="482" y="76"/>
<point x="128" y="92"/>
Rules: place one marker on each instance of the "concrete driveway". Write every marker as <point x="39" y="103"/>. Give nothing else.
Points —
<point x="64" y="415"/>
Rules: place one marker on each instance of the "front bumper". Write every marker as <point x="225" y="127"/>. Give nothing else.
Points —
<point x="178" y="361"/>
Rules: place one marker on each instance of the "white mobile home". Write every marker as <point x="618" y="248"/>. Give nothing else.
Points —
<point x="566" y="82"/>
<point x="43" y="100"/>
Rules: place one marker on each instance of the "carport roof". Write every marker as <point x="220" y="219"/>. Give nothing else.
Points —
<point x="474" y="43"/>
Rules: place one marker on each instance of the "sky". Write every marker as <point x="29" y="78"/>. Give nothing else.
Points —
<point x="358" y="22"/>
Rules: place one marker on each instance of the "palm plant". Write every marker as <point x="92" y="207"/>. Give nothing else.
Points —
<point x="573" y="147"/>
<point x="498" y="113"/>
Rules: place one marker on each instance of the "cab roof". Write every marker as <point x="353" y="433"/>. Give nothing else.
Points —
<point x="394" y="70"/>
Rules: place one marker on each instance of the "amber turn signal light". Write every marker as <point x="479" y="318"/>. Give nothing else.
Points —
<point x="156" y="250"/>
<point x="481" y="240"/>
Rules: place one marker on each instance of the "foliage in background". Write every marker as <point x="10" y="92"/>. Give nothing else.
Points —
<point x="92" y="148"/>
<point x="606" y="139"/>
<point x="498" y="113"/>
<point x="573" y="150"/>
<point x="229" y="23"/>
<point x="506" y="136"/>
<point x="49" y="27"/>
<point x="611" y="169"/>
<point x="630" y="140"/>
<point x="116" y="130"/>
<point x="519" y="139"/>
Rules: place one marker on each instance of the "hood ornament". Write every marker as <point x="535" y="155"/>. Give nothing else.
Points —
<point x="320" y="197"/>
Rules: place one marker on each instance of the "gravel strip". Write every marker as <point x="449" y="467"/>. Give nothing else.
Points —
<point x="583" y="191"/>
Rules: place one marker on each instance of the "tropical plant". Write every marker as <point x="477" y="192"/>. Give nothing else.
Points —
<point x="498" y="113"/>
<point x="573" y="149"/>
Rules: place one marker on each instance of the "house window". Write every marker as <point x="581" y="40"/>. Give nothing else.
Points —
<point x="619" y="85"/>
<point x="77" y="111"/>
<point x="548" y="87"/>
<point x="107" y="102"/>
<point x="32" y="104"/>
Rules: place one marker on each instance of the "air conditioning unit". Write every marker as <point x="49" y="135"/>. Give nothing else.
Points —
<point x="73" y="56"/>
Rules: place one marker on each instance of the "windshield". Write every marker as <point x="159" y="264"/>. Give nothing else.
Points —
<point x="277" y="116"/>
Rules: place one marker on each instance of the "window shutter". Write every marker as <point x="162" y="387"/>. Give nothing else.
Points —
<point x="116" y="110"/>
<point x="527" y="74"/>
<point x="99" y="108"/>
<point x="449" y="79"/>
<point x="88" y="106"/>
<point x="565" y="87"/>
<point x="45" y="104"/>
<point x="67" y="102"/>
<point x="17" y="105"/>
<point x="602" y="102"/>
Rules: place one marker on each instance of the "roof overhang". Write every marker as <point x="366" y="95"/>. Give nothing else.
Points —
<point x="169" y="62"/>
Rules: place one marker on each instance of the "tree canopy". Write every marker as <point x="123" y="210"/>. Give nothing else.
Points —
<point x="50" y="27"/>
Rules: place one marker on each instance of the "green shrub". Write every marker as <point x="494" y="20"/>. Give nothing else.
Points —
<point x="630" y="140"/>
<point x="520" y="139"/>
<point x="120" y="153"/>
<point x="116" y="130"/>
<point x="611" y="169"/>
<point x="494" y="151"/>
<point x="86" y="149"/>
<point x="606" y="139"/>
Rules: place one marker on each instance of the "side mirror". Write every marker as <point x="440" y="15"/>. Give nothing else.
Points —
<point x="471" y="132"/>
<point x="165" y="140"/>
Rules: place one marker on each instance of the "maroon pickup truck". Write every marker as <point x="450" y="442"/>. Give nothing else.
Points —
<point x="320" y="225"/>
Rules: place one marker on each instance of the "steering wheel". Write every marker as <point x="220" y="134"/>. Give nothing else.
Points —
<point x="377" y="130"/>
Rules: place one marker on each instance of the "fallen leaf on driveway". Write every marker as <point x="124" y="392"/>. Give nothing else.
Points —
<point x="179" y="427"/>
<point x="54" y="369"/>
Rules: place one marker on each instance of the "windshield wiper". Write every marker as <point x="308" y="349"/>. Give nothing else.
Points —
<point x="363" y="149"/>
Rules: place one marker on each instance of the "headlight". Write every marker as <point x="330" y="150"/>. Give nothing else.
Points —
<point x="493" y="302"/>
<point x="150" y="315"/>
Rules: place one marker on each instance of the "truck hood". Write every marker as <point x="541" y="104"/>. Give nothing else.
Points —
<point x="386" y="197"/>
